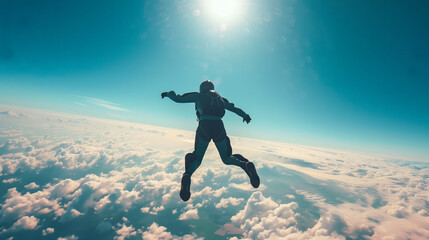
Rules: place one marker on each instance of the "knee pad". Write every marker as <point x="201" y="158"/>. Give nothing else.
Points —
<point x="243" y="160"/>
<point x="240" y="157"/>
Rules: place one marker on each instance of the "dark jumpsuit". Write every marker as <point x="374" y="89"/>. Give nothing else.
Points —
<point x="209" y="128"/>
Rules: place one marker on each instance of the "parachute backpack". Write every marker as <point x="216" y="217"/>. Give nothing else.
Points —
<point x="210" y="102"/>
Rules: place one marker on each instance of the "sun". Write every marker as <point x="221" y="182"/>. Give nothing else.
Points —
<point x="224" y="11"/>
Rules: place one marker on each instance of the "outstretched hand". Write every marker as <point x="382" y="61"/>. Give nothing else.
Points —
<point x="247" y="119"/>
<point x="164" y="94"/>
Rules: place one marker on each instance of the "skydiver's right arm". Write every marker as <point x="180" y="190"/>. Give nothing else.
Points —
<point x="185" y="98"/>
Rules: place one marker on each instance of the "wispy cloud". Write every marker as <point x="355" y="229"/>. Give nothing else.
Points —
<point x="81" y="104"/>
<point x="103" y="103"/>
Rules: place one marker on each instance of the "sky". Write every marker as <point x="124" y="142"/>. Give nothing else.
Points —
<point x="338" y="74"/>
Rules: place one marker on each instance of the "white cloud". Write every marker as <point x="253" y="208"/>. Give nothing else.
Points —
<point x="238" y="177"/>
<point x="80" y="104"/>
<point x="124" y="232"/>
<point x="224" y="202"/>
<point x="105" y="104"/>
<point x="26" y="223"/>
<point x="190" y="214"/>
<point x="32" y="185"/>
<point x="119" y="167"/>
<point x="208" y="191"/>
<point x="155" y="210"/>
<point x="17" y="205"/>
<point x="70" y="214"/>
<point x="323" y="229"/>
<point x="262" y="218"/>
<point x="156" y="232"/>
<point x="398" y="211"/>
<point x="145" y="209"/>
<point x="70" y="237"/>
<point x="9" y="114"/>
<point x="10" y="180"/>
<point x="48" y="231"/>
<point x="247" y="187"/>
<point x="63" y="188"/>
<point x="311" y="197"/>
<point x="256" y="204"/>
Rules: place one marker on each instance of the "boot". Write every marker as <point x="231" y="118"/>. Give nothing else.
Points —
<point x="250" y="169"/>
<point x="185" y="192"/>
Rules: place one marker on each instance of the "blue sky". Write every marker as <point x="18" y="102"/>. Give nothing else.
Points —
<point x="339" y="74"/>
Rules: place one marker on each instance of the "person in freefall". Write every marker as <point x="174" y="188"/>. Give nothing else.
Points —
<point x="210" y="108"/>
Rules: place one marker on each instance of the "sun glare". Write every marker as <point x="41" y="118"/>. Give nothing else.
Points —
<point x="224" y="11"/>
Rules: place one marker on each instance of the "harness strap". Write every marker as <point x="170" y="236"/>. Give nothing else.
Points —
<point x="209" y="117"/>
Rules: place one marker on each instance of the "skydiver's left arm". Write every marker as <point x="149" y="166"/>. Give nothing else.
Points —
<point x="231" y="107"/>
<point x="185" y="98"/>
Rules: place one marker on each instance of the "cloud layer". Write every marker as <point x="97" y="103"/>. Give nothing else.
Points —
<point x="123" y="179"/>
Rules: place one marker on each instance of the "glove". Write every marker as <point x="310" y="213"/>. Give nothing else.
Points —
<point x="247" y="119"/>
<point x="164" y="94"/>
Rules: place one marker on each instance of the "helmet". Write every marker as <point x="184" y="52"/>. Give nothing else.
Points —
<point x="206" y="86"/>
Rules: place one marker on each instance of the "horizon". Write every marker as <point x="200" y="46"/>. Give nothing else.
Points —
<point x="379" y="155"/>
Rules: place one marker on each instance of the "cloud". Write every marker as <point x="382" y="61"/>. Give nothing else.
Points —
<point x="26" y="223"/>
<point x="10" y="180"/>
<point x="9" y="114"/>
<point x="17" y="205"/>
<point x="99" y="171"/>
<point x="208" y="191"/>
<point x="238" y="177"/>
<point x="262" y="218"/>
<point x="247" y="187"/>
<point x="16" y="145"/>
<point x="315" y="198"/>
<point x="48" y="231"/>
<point x="154" y="231"/>
<point x="105" y="104"/>
<point x="325" y="228"/>
<point x="398" y="211"/>
<point x="229" y="229"/>
<point x="155" y="210"/>
<point x="80" y="104"/>
<point x="123" y="231"/>
<point x="190" y="214"/>
<point x="145" y="209"/>
<point x="70" y="214"/>
<point x="63" y="188"/>
<point x="224" y="202"/>
<point x="256" y="204"/>
<point x="69" y="237"/>
<point x="32" y="185"/>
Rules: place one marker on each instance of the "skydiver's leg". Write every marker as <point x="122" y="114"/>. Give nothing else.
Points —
<point x="192" y="162"/>
<point x="225" y="151"/>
